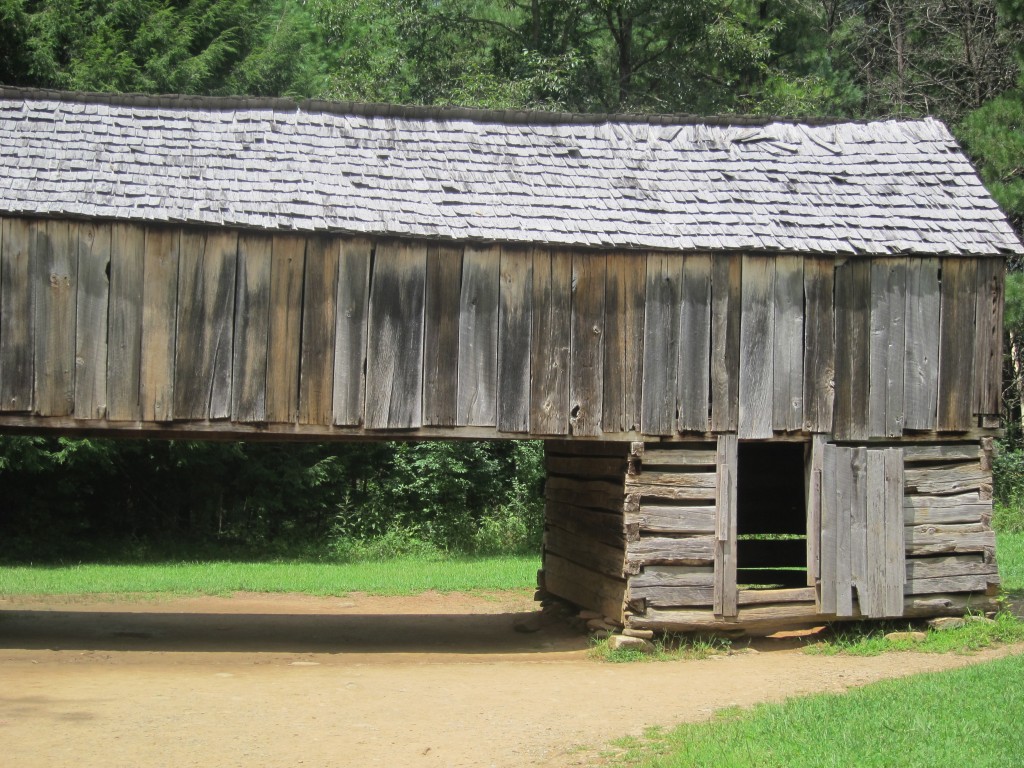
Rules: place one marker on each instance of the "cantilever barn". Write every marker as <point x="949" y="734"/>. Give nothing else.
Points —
<point x="764" y="356"/>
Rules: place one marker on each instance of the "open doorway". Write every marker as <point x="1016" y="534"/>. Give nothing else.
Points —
<point x="771" y="516"/>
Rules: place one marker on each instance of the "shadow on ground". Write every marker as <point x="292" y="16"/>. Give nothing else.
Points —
<point x="497" y="633"/>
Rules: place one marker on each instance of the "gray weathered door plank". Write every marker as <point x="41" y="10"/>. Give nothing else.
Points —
<point x="725" y="593"/>
<point x="895" y="547"/>
<point x="846" y="480"/>
<point x="829" y="524"/>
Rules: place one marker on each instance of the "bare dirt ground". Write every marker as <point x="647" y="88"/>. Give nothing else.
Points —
<point x="286" y="680"/>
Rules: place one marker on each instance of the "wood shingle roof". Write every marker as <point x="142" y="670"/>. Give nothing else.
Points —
<point x="663" y="183"/>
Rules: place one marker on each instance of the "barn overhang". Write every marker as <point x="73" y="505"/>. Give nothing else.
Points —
<point x="687" y="311"/>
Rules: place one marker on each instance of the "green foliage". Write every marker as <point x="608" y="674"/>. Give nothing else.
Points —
<point x="907" y="722"/>
<point x="1010" y="553"/>
<point x="1008" y="491"/>
<point x="994" y="136"/>
<point x="86" y="499"/>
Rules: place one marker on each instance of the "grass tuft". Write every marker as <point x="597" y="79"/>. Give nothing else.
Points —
<point x="868" y="638"/>
<point x="666" y="648"/>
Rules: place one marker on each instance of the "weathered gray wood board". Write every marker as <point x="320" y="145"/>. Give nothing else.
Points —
<point x="788" y="345"/>
<point x="55" y="268"/>
<point x="725" y="593"/>
<point x="159" y="323"/>
<point x="319" y="325"/>
<point x="956" y="343"/>
<point x="16" y="317"/>
<point x="725" y="341"/>
<point x="441" y="335"/>
<point x="819" y="344"/>
<point x="124" y="331"/>
<point x="661" y="344"/>
<point x="287" y="270"/>
<point x="478" y="337"/>
<point x="921" y="371"/>
<point x="206" y="309"/>
<point x="549" y="346"/>
<point x="862" y="531"/>
<point x="394" y="359"/>
<point x="586" y="345"/>
<point x="350" y="331"/>
<point x="91" y="325"/>
<point x="625" y="289"/>
<point x="252" y="330"/>
<point x="757" y="336"/>
<point x="515" y="313"/>
<point x="162" y="326"/>
<point x="692" y="373"/>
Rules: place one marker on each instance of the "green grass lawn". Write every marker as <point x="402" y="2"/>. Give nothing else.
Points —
<point x="1010" y="555"/>
<point x="401" y="576"/>
<point x="966" y="717"/>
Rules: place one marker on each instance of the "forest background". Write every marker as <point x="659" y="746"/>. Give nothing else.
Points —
<point x="62" y="499"/>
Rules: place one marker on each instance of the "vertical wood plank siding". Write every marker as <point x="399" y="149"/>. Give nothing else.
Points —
<point x="91" y="327"/>
<point x="164" y="324"/>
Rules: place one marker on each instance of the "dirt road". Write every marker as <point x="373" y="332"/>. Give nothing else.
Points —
<point x="435" y="680"/>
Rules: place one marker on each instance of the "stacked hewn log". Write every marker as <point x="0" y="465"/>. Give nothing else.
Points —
<point x="585" y="533"/>
<point x="645" y="534"/>
<point x="947" y="507"/>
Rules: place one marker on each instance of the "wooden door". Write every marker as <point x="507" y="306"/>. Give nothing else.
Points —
<point x="860" y="531"/>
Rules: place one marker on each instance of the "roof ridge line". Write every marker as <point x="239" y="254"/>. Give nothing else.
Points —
<point x="409" y="112"/>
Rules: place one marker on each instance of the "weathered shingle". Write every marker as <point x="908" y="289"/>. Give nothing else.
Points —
<point x="875" y="188"/>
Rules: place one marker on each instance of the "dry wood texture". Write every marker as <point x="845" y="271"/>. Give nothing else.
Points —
<point x="165" y="325"/>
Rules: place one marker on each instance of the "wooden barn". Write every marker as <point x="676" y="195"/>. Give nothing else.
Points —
<point x="765" y="356"/>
